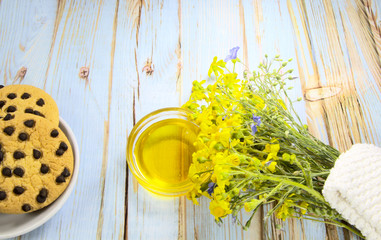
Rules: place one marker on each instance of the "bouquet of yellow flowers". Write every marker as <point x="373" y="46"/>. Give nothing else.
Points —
<point x="253" y="149"/>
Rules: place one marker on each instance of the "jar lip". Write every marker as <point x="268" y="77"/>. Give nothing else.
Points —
<point x="140" y="127"/>
<point x="162" y="110"/>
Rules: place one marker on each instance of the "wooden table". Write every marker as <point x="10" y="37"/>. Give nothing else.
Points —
<point x="109" y="63"/>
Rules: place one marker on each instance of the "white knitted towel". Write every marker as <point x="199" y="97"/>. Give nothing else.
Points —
<point x="353" y="188"/>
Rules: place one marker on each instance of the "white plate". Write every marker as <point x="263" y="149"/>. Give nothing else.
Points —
<point x="13" y="225"/>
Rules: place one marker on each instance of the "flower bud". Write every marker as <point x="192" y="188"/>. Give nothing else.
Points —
<point x="287" y="133"/>
<point x="202" y="159"/>
<point x="219" y="147"/>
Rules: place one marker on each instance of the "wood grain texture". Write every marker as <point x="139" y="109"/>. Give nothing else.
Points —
<point x="343" y="56"/>
<point x="143" y="55"/>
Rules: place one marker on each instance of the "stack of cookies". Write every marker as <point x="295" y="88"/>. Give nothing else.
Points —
<point x="36" y="159"/>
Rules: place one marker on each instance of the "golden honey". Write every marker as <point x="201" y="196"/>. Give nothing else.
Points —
<point x="163" y="153"/>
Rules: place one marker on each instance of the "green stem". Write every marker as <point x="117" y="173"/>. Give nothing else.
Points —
<point x="311" y="191"/>
<point x="349" y="228"/>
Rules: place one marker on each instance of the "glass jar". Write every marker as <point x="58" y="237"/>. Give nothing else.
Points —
<point x="159" y="151"/>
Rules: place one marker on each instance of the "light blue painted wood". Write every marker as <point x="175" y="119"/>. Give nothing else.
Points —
<point x="23" y="35"/>
<point x="114" y="39"/>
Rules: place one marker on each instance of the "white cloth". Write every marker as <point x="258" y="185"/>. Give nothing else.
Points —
<point x="353" y="188"/>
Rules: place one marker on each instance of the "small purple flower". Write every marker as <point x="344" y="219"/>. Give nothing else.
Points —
<point x="257" y="121"/>
<point x="211" y="187"/>
<point x="234" y="219"/>
<point x="232" y="54"/>
<point x="254" y="128"/>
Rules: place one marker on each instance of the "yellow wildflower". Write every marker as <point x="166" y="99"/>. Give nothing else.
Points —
<point x="234" y="120"/>
<point x="219" y="209"/>
<point x="194" y="193"/>
<point x="221" y="175"/>
<point x="234" y="159"/>
<point x="273" y="150"/>
<point x="220" y="194"/>
<point x="230" y="80"/>
<point x="222" y="136"/>
<point x="216" y="67"/>
<point x="271" y="167"/>
<point x="198" y="95"/>
<point x="285" y="210"/>
<point x="234" y="143"/>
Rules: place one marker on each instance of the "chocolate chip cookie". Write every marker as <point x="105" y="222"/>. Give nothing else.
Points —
<point x="36" y="162"/>
<point x="28" y="99"/>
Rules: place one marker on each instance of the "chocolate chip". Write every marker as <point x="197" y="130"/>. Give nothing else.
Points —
<point x="1" y="156"/>
<point x="9" y="130"/>
<point x="11" y="109"/>
<point x="60" y="152"/>
<point x="43" y="193"/>
<point x="1" y="86"/>
<point x="60" y="179"/>
<point x="28" y="110"/>
<point x="38" y="113"/>
<point x="17" y="155"/>
<point x="12" y="96"/>
<point x="23" y="136"/>
<point x="65" y="173"/>
<point x="2" y="103"/>
<point x="63" y="146"/>
<point x="7" y="172"/>
<point x="44" y="169"/>
<point x="26" y="207"/>
<point x="25" y="96"/>
<point x="3" y="195"/>
<point x="18" y="172"/>
<point x="36" y="154"/>
<point x="40" y="102"/>
<point x="54" y="133"/>
<point x="40" y="199"/>
<point x="18" y="190"/>
<point x="8" y="117"/>
<point x="29" y="123"/>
